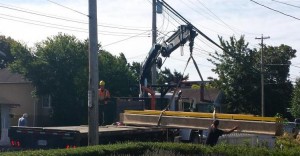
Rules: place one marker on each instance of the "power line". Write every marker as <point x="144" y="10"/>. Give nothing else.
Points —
<point x="125" y="39"/>
<point x="230" y="27"/>
<point x="58" y="26"/>
<point x="187" y="22"/>
<point x="287" y="4"/>
<point x="137" y="56"/>
<point x="44" y="15"/>
<point x="42" y="25"/>
<point x="185" y="61"/>
<point x="207" y="52"/>
<point x="295" y="66"/>
<point x="55" y="26"/>
<point x="63" y="18"/>
<point x="205" y="17"/>
<point x="216" y="16"/>
<point x="68" y="8"/>
<point x="275" y="10"/>
<point x="115" y="27"/>
<point x="205" y="42"/>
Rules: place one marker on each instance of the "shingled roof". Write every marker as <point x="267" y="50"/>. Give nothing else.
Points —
<point x="4" y="101"/>
<point x="7" y="76"/>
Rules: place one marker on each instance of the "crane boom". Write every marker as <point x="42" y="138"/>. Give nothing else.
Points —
<point x="179" y="38"/>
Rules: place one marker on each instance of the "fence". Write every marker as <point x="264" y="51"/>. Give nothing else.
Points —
<point x="248" y="139"/>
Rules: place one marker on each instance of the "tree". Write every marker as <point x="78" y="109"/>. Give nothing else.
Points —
<point x="238" y="76"/>
<point x="116" y="72"/>
<point x="135" y="68"/>
<point x="278" y="88"/>
<point x="59" y="69"/>
<point x="238" y="68"/>
<point x="295" y="103"/>
<point x="11" y="50"/>
<point x="166" y="76"/>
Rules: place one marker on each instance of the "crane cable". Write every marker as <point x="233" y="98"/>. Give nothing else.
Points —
<point x="189" y="23"/>
<point x="172" y="98"/>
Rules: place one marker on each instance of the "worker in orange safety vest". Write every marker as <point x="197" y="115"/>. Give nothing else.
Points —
<point x="103" y="97"/>
<point x="103" y="93"/>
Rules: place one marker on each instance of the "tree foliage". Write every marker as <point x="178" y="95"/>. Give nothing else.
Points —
<point x="239" y="73"/>
<point x="278" y="88"/>
<point x="11" y="50"/>
<point x="117" y="74"/>
<point x="295" y="104"/>
<point x="59" y="67"/>
<point x="166" y="76"/>
<point x="238" y="77"/>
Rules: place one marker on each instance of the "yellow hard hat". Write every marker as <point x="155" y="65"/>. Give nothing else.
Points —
<point x="101" y="83"/>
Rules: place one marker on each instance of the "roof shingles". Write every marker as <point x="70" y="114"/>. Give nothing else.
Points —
<point x="7" y="76"/>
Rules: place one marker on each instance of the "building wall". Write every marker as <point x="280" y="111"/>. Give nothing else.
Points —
<point x="20" y="93"/>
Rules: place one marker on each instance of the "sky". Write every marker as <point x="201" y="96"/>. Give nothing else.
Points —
<point x="124" y="26"/>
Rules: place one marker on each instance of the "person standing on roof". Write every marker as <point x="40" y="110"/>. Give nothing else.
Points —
<point x="103" y="98"/>
<point x="214" y="133"/>
<point x="23" y="120"/>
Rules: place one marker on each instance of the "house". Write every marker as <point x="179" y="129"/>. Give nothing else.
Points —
<point x="15" y="89"/>
<point x="5" y="107"/>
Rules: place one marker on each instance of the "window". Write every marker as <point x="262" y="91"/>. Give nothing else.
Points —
<point x="46" y="101"/>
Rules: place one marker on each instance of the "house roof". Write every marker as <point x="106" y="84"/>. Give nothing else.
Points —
<point x="4" y="101"/>
<point x="7" y="76"/>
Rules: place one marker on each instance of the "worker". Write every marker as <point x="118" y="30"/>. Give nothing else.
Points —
<point x="103" y="93"/>
<point x="103" y="97"/>
<point x="214" y="133"/>
<point x="23" y="120"/>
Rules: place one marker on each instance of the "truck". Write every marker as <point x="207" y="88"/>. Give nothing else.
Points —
<point x="74" y="136"/>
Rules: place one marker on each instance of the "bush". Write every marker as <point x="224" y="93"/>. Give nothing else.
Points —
<point x="158" y="148"/>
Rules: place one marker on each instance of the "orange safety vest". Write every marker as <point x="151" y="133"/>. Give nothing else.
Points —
<point x="103" y="95"/>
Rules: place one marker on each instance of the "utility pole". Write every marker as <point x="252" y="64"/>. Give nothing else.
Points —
<point x="262" y="74"/>
<point x="93" y="136"/>
<point x="153" y="69"/>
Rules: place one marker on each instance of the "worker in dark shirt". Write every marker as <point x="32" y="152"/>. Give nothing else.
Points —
<point x="214" y="133"/>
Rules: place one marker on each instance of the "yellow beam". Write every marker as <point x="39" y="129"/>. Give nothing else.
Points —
<point x="206" y="115"/>
<point x="245" y="126"/>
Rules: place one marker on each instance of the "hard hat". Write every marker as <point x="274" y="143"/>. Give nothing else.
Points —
<point x="101" y="83"/>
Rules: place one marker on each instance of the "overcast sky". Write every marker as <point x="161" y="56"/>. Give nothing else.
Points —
<point x="125" y="25"/>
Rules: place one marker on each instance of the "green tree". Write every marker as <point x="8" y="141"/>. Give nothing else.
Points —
<point x="11" y="50"/>
<point x="59" y="69"/>
<point x="238" y="68"/>
<point x="278" y="88"/>
<point x="166" y="76"/>
<point x="295" y="103"/>
<point x="116" y="72"/>
<point x="135" y="68"/>
<point x="238" y="76"/>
